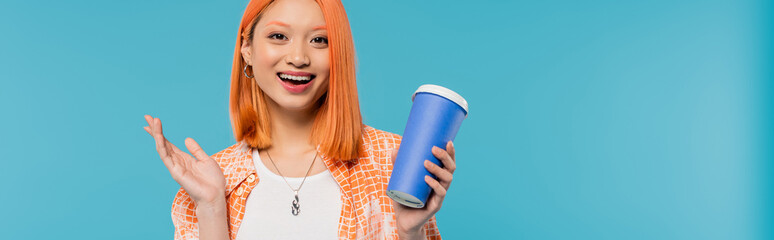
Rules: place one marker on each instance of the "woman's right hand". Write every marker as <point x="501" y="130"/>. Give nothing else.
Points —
<point x="200" y="177"/>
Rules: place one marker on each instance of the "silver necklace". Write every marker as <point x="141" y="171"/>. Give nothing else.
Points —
<point x="295" y="208"/>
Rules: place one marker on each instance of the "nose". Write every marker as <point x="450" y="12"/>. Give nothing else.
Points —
<point x="297" y="55"/>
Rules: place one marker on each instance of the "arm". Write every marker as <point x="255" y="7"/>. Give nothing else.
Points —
<point x="411" y="236"/>
<point x="202" y="183"/>
<point x="191" y="221"/>
<point x="429" y="231"/>
<point x="213" y="220"/>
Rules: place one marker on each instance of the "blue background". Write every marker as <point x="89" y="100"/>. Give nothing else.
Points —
<point x="588" y="119"/>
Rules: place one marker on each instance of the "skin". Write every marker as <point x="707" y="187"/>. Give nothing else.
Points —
<point x="290" y="36"/>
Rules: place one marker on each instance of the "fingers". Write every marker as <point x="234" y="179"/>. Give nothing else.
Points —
<point x="151" y="126"/>
<point x="148" y="128"/>
<point x="450" y="150"/>
<point x="444" y="175"/>
<point x="155" y="126"/>
<point x="195" y="149"/>
<point x="150" y="120"/>
<point x="394" y="155"/>
<point x="440" y="191"/>
<point x="154" y="129"/>
<point x="159" y="136"/>
<point x="446" y="159"/>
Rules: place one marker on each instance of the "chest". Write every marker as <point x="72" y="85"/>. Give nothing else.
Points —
<point x="364" y="210"/>
<point x="297" y="167"/>
<point x="269" y="208"/>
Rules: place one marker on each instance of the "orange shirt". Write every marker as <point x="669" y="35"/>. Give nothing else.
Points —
<point x="366" y="213"/>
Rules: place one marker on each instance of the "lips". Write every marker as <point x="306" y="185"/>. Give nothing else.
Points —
<point x="300" y="79"/>
<point x="295" y="82"/>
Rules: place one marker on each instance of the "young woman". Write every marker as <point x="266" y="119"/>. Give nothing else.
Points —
<point x="304" y="165"/>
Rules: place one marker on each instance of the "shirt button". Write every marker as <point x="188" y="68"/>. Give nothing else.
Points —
<point x="251" y="178"/>
<point x="240" y="190"/>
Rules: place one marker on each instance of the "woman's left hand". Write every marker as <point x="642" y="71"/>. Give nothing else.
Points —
<point x="410" y="220"/>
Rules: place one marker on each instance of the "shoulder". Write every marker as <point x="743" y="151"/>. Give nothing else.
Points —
<point x="379" y="140"/>
<point x="231" y="155"/>
<point x="236" y="162"/>
<point x="234" y="150"/>
<point x="377" y="147"/>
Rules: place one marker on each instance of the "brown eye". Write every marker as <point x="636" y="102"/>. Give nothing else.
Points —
<point x="278" y="36"/>
<point x="321" y="40"/>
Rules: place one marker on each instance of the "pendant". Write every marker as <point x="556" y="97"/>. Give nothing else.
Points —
<point x="295" y="209"/>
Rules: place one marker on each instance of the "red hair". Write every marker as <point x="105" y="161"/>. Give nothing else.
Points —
<point x="338" y="126"/>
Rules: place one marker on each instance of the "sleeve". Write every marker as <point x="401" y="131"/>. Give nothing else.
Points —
<point x="184" y="217"/>
<point x="431" y="230"/>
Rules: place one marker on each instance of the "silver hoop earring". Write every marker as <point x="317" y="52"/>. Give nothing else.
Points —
<point x="244" y="71"/>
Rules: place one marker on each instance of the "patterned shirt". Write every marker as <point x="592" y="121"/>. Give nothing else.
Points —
<point x="366" y="213"/>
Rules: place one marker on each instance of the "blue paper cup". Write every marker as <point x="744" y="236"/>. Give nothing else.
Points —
<point x="435" y="117"/>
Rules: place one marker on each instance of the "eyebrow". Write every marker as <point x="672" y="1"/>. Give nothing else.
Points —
<point x="287" y="25"/>
<point x="278" y="23"/>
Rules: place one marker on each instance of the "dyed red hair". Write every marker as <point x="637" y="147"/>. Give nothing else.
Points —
<point x="337" y="125"/>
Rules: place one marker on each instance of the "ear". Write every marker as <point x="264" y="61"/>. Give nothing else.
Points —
<point x="246" y="50"/>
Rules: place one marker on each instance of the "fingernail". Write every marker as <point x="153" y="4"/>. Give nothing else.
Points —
<point x="427" y="163"/>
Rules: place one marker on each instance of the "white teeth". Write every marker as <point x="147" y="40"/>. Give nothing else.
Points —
<point x="296" y="78"/>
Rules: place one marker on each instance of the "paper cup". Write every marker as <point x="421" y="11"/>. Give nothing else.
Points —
<point x="435" y="118"/>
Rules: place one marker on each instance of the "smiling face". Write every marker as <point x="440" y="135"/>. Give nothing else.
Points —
<point x="289" y="54"/>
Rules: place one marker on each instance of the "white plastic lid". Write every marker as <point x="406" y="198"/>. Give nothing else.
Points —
<point x="443" y="92"/>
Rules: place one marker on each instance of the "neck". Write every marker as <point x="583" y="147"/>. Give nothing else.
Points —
<point x="291" y="130"/>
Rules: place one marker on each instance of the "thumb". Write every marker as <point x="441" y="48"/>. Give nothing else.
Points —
<point x="394" y="155"/>
<point x="195" y="149"/>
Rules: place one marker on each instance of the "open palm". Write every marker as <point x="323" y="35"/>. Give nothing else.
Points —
<point x="200" y="177"/>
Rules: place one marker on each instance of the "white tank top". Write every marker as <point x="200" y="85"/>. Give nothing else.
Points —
<point x="268" y="207"/>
